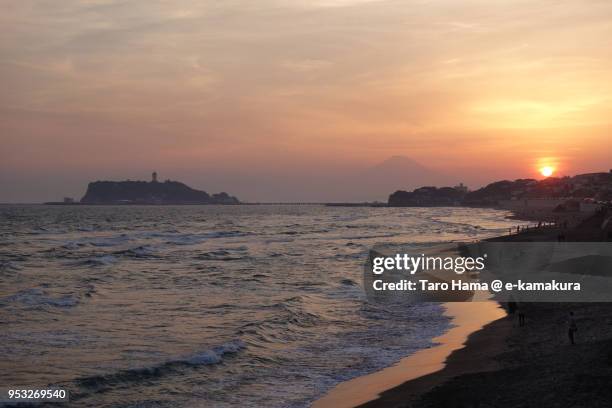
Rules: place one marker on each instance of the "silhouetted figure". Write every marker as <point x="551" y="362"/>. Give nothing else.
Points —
<point x="521" y="316"/>
<point x="572" y="328"/>
<point x="511" y="307"/>
<point x="518" y="229"/>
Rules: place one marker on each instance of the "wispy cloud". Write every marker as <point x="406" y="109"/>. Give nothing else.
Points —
<point x="244" y="79"/>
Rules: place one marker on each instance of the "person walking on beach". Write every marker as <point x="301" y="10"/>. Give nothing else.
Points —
<point x="572" y="328"/>
<point x="512" y="306"/>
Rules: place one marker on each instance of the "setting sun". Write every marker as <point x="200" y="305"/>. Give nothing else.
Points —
<point x="547" y="171"/>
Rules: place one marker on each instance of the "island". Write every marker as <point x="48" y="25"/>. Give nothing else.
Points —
<point x="151" y="192"/>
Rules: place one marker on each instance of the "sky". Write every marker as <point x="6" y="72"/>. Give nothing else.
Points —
<point x="271" y="99"/>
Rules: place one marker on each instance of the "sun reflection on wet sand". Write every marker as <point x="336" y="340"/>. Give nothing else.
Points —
<point x="467" y="318"/>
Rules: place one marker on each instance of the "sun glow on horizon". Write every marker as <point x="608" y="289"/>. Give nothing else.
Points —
<point x="547" y="171"/>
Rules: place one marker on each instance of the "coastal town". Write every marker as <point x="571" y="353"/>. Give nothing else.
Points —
<point x="552" y="199"/>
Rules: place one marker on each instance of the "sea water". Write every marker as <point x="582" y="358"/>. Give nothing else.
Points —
<point x="208" y="306"/>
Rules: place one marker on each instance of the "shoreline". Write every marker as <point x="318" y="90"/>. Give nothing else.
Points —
<point x="477" y="340"/>
<point x="506" y="364"/>
<point x="386" y="387"/>
<point x="475" y="355"/>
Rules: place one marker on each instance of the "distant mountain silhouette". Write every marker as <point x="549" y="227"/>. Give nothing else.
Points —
<point x="310" y="182"/>
<point x="395" y="173"/>
<point x="402" y="169"/>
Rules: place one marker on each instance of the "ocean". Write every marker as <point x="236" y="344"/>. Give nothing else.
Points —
<point x="208" y="306"/>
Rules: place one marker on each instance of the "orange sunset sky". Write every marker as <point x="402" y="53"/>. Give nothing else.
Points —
<point x="275" y="99"/>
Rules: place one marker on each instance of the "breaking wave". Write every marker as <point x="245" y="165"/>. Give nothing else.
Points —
<point x="207" y="357"/>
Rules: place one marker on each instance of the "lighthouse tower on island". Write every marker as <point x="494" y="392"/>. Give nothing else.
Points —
<point x="154" y="177"/>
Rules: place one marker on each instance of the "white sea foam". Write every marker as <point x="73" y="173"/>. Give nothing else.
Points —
<point x="214" y="355"/>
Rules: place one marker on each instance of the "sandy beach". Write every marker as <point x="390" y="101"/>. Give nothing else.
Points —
<point x="466" y="318"/>
<point x="496" y="362"/>
<point x="511" y="366"/>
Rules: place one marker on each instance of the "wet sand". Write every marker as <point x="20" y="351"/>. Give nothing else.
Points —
<point x="530" y="366"/>
<point x="467" y="318"/>
<point x="502" y="364"/>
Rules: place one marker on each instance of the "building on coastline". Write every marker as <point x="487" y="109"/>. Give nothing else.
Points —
<point x="532" y="204"/>
<point x="461" y="188"/>
<point x="589" y="206"/>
